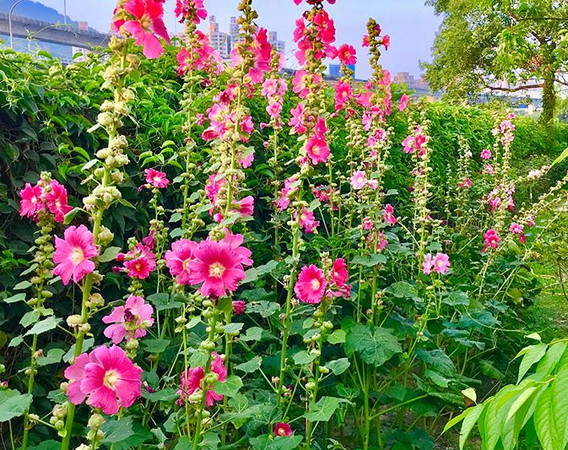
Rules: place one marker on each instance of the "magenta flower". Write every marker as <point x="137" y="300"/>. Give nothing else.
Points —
<point x="239" y="306"/>
<point x="317" y="149"/>
<point x="31" y="201"/>
<point x="156" y="178"/>
<point x="183" y="11"/>
<point x="358" y="180"/>
<point x="347" y="54"/>
<point x="367" y="224"/>
<point x="339" y="274"/>
<point x="491" y="239"/>
<point x="140" y="262"/>
<point x="217" y="267"/>
<point x="307" y="220"/>
<point x="145" y="23"/>
<point x="403" y="102"/>
<point x="179" y="258"/>
<point x="56" y="200"/>
<point x="245" y="207"/>
<point x="297" y="119"/>
<point x="465" y="183"/>
<point x="516" y="228"/>
<point x="388" y="215"/>
<point x="130" y="320"/>
<point x="343" y="93"/>
<point x="193" y="379"/>
<point x="235" y="242"/>
<point x="282" y="428"/>
<point x="441" y="263"/>
<point x="386" y="41"/>
<point x="311" y="284"/>
<point x="107" y="377"/>
<point x="72" y="254"/>
<point x="485" y="154"/>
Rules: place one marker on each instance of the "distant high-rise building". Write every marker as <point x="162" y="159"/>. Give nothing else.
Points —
<point x="411" y="81"/>
<point x="219" y="41"/>
<point x="276" y="43"/>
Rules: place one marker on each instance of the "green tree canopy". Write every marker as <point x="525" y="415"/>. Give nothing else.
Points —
<point x="507" y="45"/>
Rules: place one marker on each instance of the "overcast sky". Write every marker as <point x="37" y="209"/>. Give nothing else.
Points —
<point x="411" y="25"/>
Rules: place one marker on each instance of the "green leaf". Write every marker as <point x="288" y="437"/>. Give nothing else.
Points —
<point x="229" y="387"/>
<point x="544" y="422"/>
<point x="166" y="395"/>
<point x="29" y="318"/>
<point x="559" y="388"/>
<point x="338" y="366"/>
<point x="337" y="337"/>
<point x="255" y="273"/>
<point x="13" y="404"/>
<point x="374" y="345"/>
<point x="253" y="334"/>
<point x="22" y="285"/>
<point x="250" y="366"/>
<point x="47" y="445"/>
<point x="402" y="289"/>
<point x="468" y="423"/>
<point x="15" y="298"/>
<point x="370" y="261"/>
<point x="117" y="430"/>
<point x="44" y="325"/>
<point x="531" y="355"/>
<point x="163" y="302"/>
<point x="155" y="345"/>
<point x="322" y="410"/>
<point x="303" y="357"/>
<point x="456" y="298"/>
<point x="268" y="442"/>
<point x="183" y="444"/>
<point x="53" y="356"/>
<point x="109" y="254"/>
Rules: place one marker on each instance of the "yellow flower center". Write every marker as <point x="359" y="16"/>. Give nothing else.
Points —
<point x="316" y="284"/>
<point x="111" y="379"/>
<point x="216" y="270"/>
<point x="77" y="256"/>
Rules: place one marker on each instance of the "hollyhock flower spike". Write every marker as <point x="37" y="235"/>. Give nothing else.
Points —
<point x="311" y="284"/>
<point x="130" y="321"/>
<point x="179" y="258"/>
<point x="143" y="20"/>
<point x="73" y="254"/>
<point x="56" y="200"/>
<point x="106" y="377"/>
<point x="491" y="239"/>
<point x="193" y="380"/>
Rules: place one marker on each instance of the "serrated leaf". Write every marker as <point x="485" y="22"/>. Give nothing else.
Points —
<point x="374" y="345"/>
<point x="155" y="345"/>
<point x="229" y="387"/>
<point x="117" y="430"/>
<point x="337" y="337"/>
<point x="109" y="254"/>
<point x="338" y="366"/>
<point x="44" y="325"/>
<point x="322" y="410"/>
<point x="303" y="357"/>
<point x="250" y="366"/>
<point x="53" y="356"/>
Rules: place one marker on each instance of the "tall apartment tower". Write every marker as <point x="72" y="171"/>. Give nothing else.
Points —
<point x="279" y="45"/>
<point x="219" y="41"/>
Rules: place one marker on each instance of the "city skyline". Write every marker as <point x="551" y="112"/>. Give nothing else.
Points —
<point x="411" y="25"/>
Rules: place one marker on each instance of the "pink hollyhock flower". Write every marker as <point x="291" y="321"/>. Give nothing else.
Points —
<point x="214" y="185"/>
<point x="367" y="224"/>
<point x="246" y="160"/>
<point x="427" y="264"/>
<point x="291" y="186"/>
<point x="522" y="238"/>
<point x="140" y="262"/>
<point x="491" y="239"/>
<point x="245" y="207"/>
<point x="531" y="221"/>
<point x="283" y="428"/>
<point x="441" y="263"/>
<point x="485" y="154"/>
<point x="339" y="275"/>
<point x="130" y="320"/>
<point x="311" y="284"/>
<point x="325" y="25"/>
<point x="239" y="306"/>
<point x="307" y="220"/>
<point x="366" y="41"/>
<point x="72" y="254"/>
<point x="322" y="193"/>
<point x="274" y="110"/>
<point x="150" y="240"/>
<point x="358" y="180"/>
<point x="146" y="24"/>
<point x="179" y="258"/>
<point x="216" y="265"/>
<point x="516" y="228"/>
<point x="465" y="184"/>
<point x="183" y="11"/>
<point x="386" y="41"/>
<point x="297" y="119"/>
<point x="156" y="178"/>
<point x="382" y="241"/>
<point x="56" y="200"/>
<point x="106" y="377"/>
<point x="31" y="200"/>
<point x="488" y="169"/>
<point x="343" y="93"/>
<point x="235" y="242"/>
<point x="403" y="102"/>
<point x="347" y="54"/>
<point x="317" y="149"/>
<point x="388" y="215"/>
<point x="193" y="380"/>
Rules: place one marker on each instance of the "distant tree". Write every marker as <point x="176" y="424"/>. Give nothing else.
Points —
<point x="483" y="43"/>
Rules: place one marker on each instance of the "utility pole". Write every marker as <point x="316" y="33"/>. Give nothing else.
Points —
<point x="10" y="22"/>
<point x="65" y="12"/>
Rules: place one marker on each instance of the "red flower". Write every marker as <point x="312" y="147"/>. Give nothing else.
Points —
<point x="282" y="428"/>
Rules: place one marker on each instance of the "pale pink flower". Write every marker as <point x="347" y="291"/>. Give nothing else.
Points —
<point x="427" y="264"/>
<point x="72" y="254"/>
<point x="311" y="284"/>
<point x="403" y="102"/>
<point x="106" y="377"/>
<point x="179" y="258"/>
<point x="358" y="180"/>
<point x="441" y="263"/>
<point x="130" y="320"/>
<point x="193" y="379"/>
<point x="317" y="149"/>
<point x="156" y="178"/>
<point x="516" y="228"/>
<point x="388" y="215"/>
<point x="488" y="169"/>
